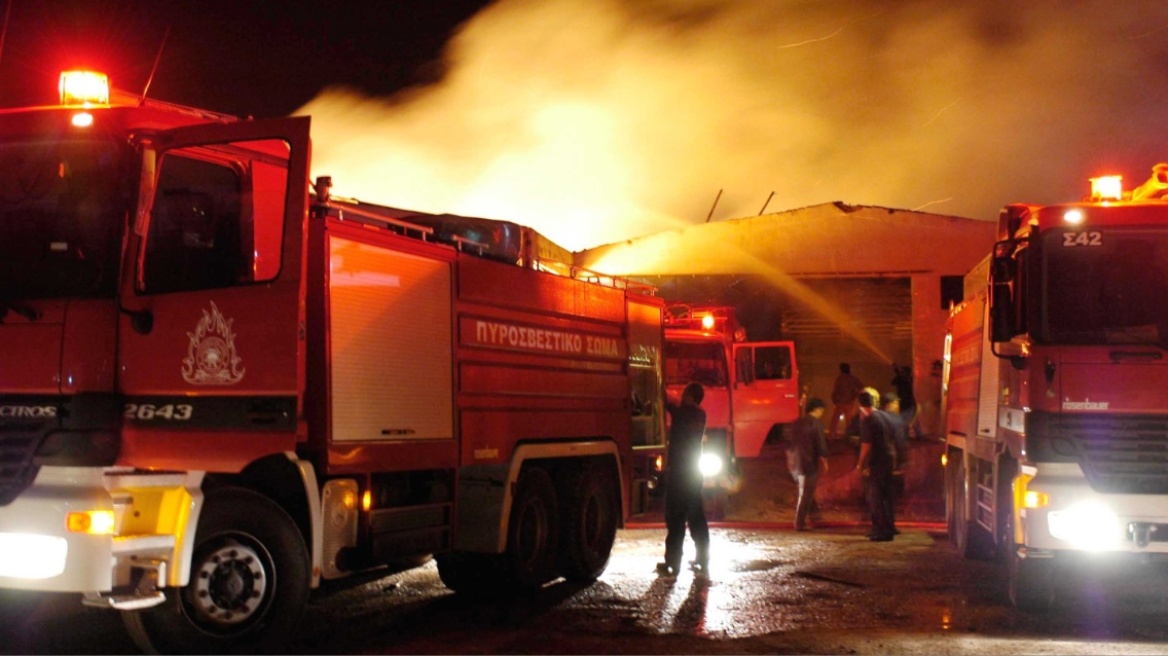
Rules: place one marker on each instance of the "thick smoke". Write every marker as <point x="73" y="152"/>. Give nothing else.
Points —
<point x="596" y="121"/>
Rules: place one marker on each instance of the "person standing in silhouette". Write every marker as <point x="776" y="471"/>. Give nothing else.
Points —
<point x="807" y="458"/>
<point x="877" y="462"/>
<point x="683" y="483"/>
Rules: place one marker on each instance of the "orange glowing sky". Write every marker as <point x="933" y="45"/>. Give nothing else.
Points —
<point x="596" y="121"/>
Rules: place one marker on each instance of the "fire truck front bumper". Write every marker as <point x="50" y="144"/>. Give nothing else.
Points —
<point x="1063" y="513"/>
<point x="37" y="549"/>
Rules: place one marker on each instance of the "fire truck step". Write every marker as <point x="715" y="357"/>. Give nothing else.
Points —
<point x="132" y="544"/>
<point x="131" y="601"/>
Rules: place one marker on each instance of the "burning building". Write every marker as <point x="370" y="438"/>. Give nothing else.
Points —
<point x="848" y="283"/>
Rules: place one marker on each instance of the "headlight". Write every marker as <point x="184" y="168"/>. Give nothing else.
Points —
<point x="1090" y="526"/>
<point x="29" y="556"/>
<point x="710" y="464"/>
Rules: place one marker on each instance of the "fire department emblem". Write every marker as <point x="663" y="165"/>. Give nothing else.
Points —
<point x="211" y="358"/>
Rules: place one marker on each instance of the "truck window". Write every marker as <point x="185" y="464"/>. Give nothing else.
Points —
<point x="646" y="406"/>
<point x="1108" y="292"/>
<point x="703" y="363"/>
<point x="62" y="208"/>
<point x="217" y="219"/>
<point x="772" y="363"/>
<point x="744" y="365"/>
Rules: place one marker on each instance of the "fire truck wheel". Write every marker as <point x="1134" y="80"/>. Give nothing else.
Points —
<point x="470" y="574"/>
<point x="1031" y="583"/>
<point x="979" y="540"/>
<point x="590" y="514"/>
<point x="248" y="588"/>
<point x="955" y="500"/>
<point x="533" y="531"/>
<point x="979" y="543"/>
<point x="1005" y="511"/>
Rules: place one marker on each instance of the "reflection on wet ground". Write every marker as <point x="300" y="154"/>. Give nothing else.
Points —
<point x="768" y="591"/>
<point x="759" y="582"/>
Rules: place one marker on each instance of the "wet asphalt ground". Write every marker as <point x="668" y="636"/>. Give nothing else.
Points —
<point x="770" y="590"/>
<point x="830" y="591"/>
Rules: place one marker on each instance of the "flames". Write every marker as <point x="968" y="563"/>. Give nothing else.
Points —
<point x="596" y="121"/>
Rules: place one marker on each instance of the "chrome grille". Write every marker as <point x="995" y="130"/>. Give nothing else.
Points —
<point x="1124" y="454"/>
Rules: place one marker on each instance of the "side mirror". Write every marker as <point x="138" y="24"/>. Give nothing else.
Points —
<point x="1003" y="269"/>
<point x="1001" y="313"/>
<point x="1003" y="265"/>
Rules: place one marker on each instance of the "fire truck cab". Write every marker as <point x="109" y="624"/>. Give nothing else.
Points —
<point x="751" y="388"/>
<point x="1055" y="414"/>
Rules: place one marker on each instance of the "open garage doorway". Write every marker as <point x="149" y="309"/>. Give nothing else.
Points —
<point x="874" y="331"/>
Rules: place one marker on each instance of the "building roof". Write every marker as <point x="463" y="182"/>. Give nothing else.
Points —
<point x="832" y="239"/>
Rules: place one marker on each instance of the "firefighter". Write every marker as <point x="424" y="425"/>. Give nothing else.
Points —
<point x="807" y="458"/>
<point x="890" y="405"/>
<point x="683" y="483"/>
<point x="877" y="461"/>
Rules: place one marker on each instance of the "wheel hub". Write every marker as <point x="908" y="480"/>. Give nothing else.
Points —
<point x="230" y="584"/>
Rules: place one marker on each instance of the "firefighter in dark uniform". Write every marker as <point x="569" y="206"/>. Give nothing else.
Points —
<point x="877" y="462"/>
<point x="683" y="483"/>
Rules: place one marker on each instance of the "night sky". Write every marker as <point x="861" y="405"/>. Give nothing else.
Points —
<point x="243" y="57"/>
<point x="601" y="120"/>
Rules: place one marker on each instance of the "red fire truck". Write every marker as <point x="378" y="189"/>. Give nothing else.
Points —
<point x="1055" y="379"/>
<point x="751" y="388"/>
<point x="219" y="387"/>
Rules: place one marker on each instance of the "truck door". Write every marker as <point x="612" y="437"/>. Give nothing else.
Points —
<point x="211" y="346"/>
<point x="765" y="392"/>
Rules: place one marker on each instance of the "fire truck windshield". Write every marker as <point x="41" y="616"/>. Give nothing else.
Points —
<point x="695" y="362"/>
<point x="61" y="210"/>
<point x="1104" y="287"/>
